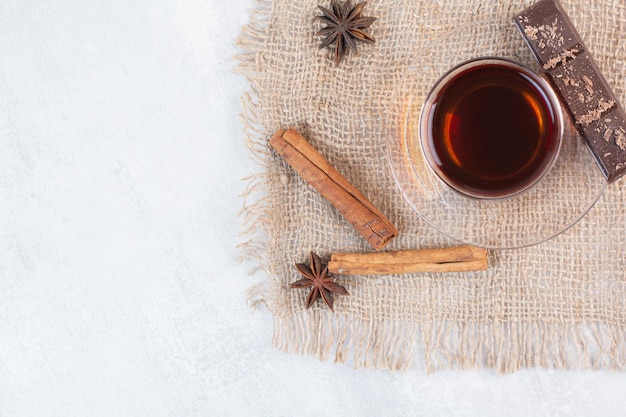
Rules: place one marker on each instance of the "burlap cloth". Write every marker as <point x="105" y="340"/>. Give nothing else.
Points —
<point x="557" y="304"/>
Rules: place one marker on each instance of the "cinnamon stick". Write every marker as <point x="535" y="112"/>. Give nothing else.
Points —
<point x="320" y="174"/>
<point x="453" y="259"/>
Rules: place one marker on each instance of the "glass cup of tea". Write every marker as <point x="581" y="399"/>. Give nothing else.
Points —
<point x="491" y="128"/>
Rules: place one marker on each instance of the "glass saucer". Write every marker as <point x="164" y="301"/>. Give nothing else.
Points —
<point x="554" y="204"/>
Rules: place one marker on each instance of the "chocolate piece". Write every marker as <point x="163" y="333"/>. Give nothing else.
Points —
<point x="587" y="96"/>
<point x="548" y="31"/>
<point x="607" y="137"/>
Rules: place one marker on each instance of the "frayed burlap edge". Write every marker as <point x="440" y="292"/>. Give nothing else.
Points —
<point x="254" y="213"/>
<point x="504" y="347"/>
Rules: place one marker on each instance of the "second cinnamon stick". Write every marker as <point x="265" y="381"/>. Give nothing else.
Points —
<point x="453" y="259"/>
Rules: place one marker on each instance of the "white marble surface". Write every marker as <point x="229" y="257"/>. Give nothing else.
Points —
<point x="121" y="153"/>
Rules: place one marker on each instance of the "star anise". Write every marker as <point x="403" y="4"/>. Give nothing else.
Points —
<point x="320" y="281"/>
<point x="345" y="27"/>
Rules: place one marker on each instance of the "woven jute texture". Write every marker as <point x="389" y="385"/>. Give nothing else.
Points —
<point x="558" y="304"/>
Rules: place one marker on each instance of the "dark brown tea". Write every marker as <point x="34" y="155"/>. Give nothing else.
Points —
<point x="493" y="130"/>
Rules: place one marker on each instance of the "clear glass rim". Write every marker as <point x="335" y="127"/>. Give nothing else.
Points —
<point x="427" y="109"/>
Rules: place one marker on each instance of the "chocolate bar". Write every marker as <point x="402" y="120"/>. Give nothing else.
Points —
<point x="587" y="97"/>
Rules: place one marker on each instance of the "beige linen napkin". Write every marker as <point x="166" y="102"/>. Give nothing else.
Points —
<point x="558" y="304"/>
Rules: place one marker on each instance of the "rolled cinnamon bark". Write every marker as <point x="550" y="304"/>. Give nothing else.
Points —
<point x="320" y="174"/>
<point x="453" y="259"/>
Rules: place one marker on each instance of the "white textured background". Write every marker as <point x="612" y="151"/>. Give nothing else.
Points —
<point x="121" y="153"/>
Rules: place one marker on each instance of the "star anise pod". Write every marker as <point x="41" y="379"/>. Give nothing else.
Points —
<point x="319" y="280"/>
<point x="345" y="27"/>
